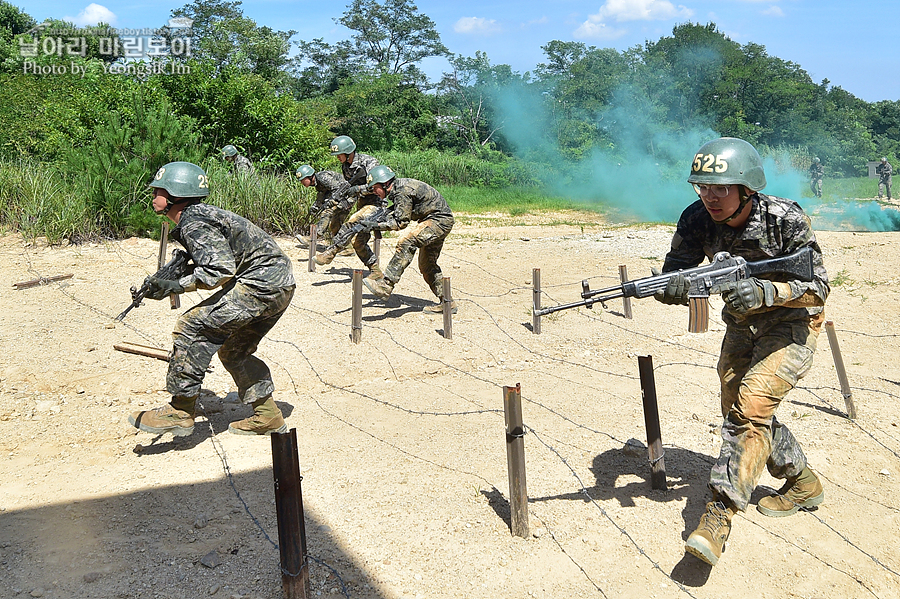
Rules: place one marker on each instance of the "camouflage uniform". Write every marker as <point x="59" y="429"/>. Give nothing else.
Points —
<point x="242" y="165"/>
<point x="256" y="286"/>
<point x="355" y="173"/>
<point x="884" y="171"/>
<point x="764" y="352"/>
<point x="330" y="187"/>
<point x="418" y="201"/>
<point x="816" y="172"/>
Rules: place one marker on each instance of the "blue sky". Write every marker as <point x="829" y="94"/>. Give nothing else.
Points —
<point x="846" y="43"/>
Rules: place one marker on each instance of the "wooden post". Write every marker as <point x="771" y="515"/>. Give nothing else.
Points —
<point x="376" y="247"/>
<point x="174" y="299"/>
<point x="356" y="313"/>
<point x="448" y="309"/>
<point x="841" y="372"/>
<point x="312" y="248"/>
<point x="535" y="300"/>
<point x="626" y="301"/>
<point x="40" y="281"/>
<point x="515" y="461"/>
<point x="651" y="422"/>
<point x="289" y="509"/>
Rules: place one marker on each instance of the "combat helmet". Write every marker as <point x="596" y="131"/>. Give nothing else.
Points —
<point x="379" y="174"/>
<point x="342" y="144"/>
<point x="304" y="171"/>
<point x="183" y="180"/>
<point x="728" y="161"/>
<point x="229" y="151"/>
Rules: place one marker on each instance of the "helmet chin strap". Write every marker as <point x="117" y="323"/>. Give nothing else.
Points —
<point x="745" y="198"/>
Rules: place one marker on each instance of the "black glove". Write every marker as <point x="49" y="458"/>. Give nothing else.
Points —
<point x="162" y="288"/>
<point x="676" y="291"/>
<point x="746" y="295"/>
<point x="357" y="190"/>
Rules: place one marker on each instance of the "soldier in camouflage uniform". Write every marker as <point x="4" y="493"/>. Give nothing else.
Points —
<point x="355" y="168"/>
<point x="884" y="170"/>
<point x="418" y="201"/>
<point x="239" y="163"/>
<point x="255" y="286"/>
<point x="332" y="206"/>
<point x="770" y="336"/>
<point x="816" y="172"/>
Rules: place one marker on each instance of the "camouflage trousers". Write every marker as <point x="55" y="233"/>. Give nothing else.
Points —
<point x="231" y="322"/>
<point x="330" y="220"/>
<point x="361" y="240"/>
<point x="756" y="371"/>
<point x="428" y="237"/>
<point x="815" y="184"/>
<point x="884" y="185"/>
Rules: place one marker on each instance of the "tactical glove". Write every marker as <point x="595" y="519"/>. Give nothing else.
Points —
<point x="746" y="295"/>
<point x="162" y="288"/>
<point x="676" y="291"/>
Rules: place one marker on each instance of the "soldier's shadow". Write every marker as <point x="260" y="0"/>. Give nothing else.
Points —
<point x="623" y="478"/>
<point x="214" y="414"/>
<point x="332" y="271"/>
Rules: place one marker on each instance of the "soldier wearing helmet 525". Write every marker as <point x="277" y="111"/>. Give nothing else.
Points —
<point x="255" y="285"/>
<point x="770" y="335"/>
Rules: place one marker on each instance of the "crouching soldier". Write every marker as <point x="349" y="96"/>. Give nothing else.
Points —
<point x="255" y="286"/>
<point x="332" y="205"/>
<point x="418" y="201"/>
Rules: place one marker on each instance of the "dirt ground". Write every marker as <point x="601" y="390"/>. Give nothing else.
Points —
<point x="402" y="436"/>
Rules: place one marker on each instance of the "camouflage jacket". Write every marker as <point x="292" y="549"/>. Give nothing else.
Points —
<point x="242" y="164"/>
<point x="884" y="169"/>
<point x="329" y="188"/>
<point x="224" y="246"/>
<point x="355" y="173"/>
<point x="418" y="201"/>
<point x="816" y="170"/>
<point x="776" y="227"/>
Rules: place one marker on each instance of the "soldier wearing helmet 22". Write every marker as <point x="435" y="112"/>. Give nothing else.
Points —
<point x="255" y="286"/>
<point x="770" y="336"/>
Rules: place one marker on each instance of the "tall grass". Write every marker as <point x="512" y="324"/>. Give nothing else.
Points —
<point x="513" y="201"/>
<point x="438" y="168"/>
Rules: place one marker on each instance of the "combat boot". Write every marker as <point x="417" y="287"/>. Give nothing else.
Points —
<point x="326" y="257"/>
<point x="266" y="419"/>
<point x="375" y="273"/>
<point x="708" y="541"/>
<point x="303" y="241"/>
<point x="347" y="251"/>
<point x="381" y="288"/>
<point x="438" y="308"/>
<point x="176" y="417"/>
<point x="804" y="491"/>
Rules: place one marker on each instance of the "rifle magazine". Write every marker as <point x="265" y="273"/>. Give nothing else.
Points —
<point x="698" y="320"/>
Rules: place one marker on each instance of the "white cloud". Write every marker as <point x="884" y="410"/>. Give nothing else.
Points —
<point x="93" y="14"/>
<point x="476" y="25"/>
<point x="773" y="11"/>
<point x="641" y="10"/>
<point x="594" y="28"/>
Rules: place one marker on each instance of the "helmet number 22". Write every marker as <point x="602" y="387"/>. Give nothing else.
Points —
<point x="709" y="163"/>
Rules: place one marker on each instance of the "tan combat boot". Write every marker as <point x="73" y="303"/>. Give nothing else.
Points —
<point x="708" y="541"/>
<point x="375" y="273"/>
<point x="438" y="308"/>
<point x="266" y="419"/>
<point x="347" y="251"/>
<point x="805" y="491"/>
<point x="381" y="288"/>
<point x="176" y="417"/>
<point x="326" y="257"/>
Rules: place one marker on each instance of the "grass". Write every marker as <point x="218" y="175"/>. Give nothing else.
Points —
<point x="514" y="201"/>
<point x="849" y="188"/>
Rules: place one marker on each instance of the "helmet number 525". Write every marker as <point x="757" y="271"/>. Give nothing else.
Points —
<point x="709" y="163"/>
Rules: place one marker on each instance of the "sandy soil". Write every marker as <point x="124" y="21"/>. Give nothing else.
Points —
<point x="402" y="437"/>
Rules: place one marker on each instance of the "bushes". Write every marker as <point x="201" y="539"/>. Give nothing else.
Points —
<point x="494" y="170"/>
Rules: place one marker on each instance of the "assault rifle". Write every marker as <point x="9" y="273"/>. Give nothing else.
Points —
<point x="173" y="269"/>
<point x="723" y="268"/>
<point x="365" y="224"/>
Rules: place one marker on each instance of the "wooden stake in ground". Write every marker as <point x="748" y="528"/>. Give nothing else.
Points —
<point x="312" y="248"/>
<point x="142" y="350"/>
<point x="515" y="461"/>
<point x="651" y="422"/>
<point x="40" y="281"/>
<point x="841" y="372"/>
<point x="356" y="311"/>
<point x="174" y="299"/>
<point x="535" y="300"/>
<point x="448" y="309"/>
<point x="289" y="510"/>
<point x="626" y="301"/>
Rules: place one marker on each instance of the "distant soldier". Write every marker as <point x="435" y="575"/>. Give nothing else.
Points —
<point x="356" y="168"/>
<point x="239" y="163"/>
<point x="884" y="172"/>
<point x="816" y="172"/>
<point x="331" y="207"/>
<point x="418" y="201"/>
